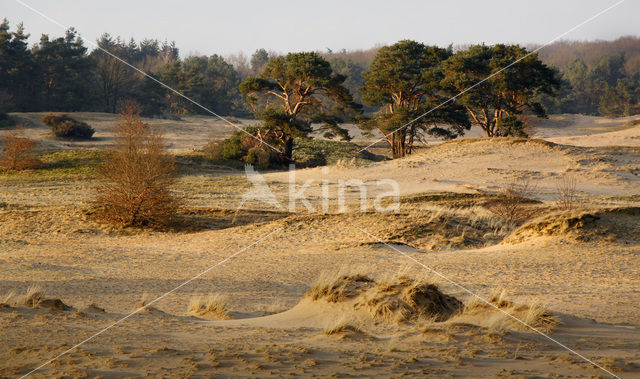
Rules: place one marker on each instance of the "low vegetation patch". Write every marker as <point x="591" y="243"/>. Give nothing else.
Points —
<point x="307" y="152"/>
<point x="583" y="225"/>
<point x="66" y="127"/>
<point x="74" y="163"/>
<point x="342" y="326"/>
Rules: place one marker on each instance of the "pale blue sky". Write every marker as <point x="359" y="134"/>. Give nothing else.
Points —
<point x="227" y="27"/>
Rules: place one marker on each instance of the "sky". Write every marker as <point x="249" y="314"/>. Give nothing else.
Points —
<point x="232" y="26"/>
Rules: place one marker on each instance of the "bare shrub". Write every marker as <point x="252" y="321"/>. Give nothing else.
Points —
<point x="511" y="204"/>
<point x="566" y="193"/>
<point x="16" y="152"/>
<point x="138" y="175"/>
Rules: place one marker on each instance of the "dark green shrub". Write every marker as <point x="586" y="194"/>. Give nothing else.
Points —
<point x="259" y="157"/>
<point x="66" y="127"/>
<point x="5" y="120"/>
<point x="232" y="147"/>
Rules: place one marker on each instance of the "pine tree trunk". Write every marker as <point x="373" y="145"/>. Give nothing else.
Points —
<point x="288" y="149"/>
<point x="398" y="147"/>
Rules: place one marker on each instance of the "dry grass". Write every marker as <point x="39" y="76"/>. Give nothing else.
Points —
<point x="277" y="306"/>
<point x="213" y="306"/>
<point x="144" y="301"/>
<point x="8" y="299"/>
<point x="335" y="286"/>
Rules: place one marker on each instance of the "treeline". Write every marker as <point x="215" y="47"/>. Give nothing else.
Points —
<point x="61" y="74"/>
<point x="598" y="77"/>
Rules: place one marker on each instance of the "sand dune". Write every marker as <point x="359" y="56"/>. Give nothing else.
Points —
<point x="580" y="266"/>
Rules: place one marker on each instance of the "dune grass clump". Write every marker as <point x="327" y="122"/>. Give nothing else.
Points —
<point x="405" y="299"/>
<point x="213" y="306"/>
<point x="397" y="300"/>
<point x="35" y="298"/>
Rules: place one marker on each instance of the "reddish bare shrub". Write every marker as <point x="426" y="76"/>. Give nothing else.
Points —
<point x="137" y="175"/>
<point x="16" y="152"/>
<point x="512" y="202"/>
<point x="566" y="192"/>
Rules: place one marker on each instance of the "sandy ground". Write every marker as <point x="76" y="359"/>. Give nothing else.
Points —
<point x="584" y="269"/>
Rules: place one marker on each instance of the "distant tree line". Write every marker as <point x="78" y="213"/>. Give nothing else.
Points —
<point x="60" y="74"/>
<point x="404" y="91"/>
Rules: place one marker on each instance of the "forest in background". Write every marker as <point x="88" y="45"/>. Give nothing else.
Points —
<point x="62" y="74"/>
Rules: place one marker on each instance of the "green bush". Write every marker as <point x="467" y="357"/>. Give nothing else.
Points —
<point x="66" y="127"/>
<point x="229" y="149"/>
<point x="261" y="157"/>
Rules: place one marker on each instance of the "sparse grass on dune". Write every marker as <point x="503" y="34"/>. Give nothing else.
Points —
<point x="582" y="224"/>
<point x="438" y="227"/>
<point x="496" y="315"/>
<point x="342" y="326"/>
<point x="400" y="299"/>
